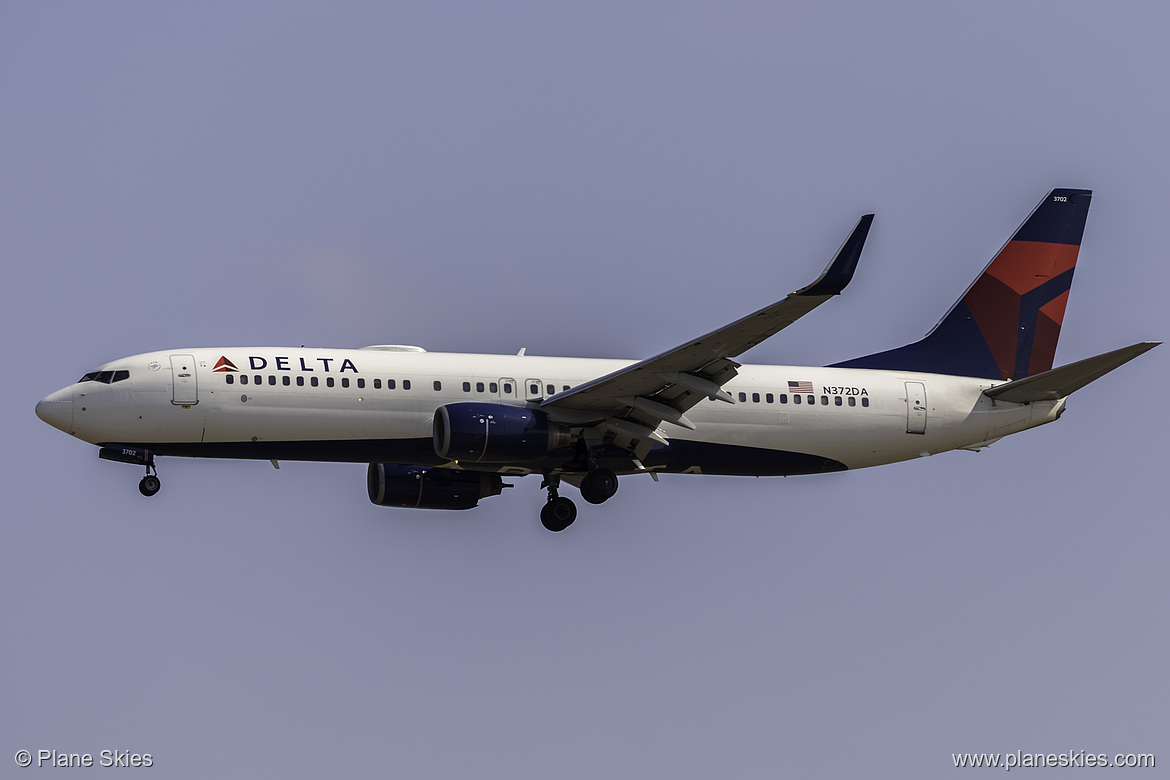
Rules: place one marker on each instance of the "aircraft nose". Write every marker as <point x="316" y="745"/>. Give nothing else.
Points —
<point x="57" y="410"/>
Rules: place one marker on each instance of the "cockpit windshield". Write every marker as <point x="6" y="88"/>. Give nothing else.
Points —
<point x="106" y="377"/>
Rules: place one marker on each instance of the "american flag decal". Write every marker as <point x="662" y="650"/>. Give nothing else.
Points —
<point x="800" y="387"/>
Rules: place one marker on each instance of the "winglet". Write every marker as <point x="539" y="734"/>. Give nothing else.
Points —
<point x="839" y="272"/>
<point x="1060" y="382"/>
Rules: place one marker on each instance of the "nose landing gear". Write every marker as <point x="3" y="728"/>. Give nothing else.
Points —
<point x="149" y="485"/>
<point x="138" y="456"/>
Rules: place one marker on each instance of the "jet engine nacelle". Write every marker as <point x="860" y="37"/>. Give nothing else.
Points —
<point x="496" y="433"/>
<point x="428" y="487"/>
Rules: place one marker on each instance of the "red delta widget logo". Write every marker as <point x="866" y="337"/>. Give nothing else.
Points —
<point x="256" y="363"/>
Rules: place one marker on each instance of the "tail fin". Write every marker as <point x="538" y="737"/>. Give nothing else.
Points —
<point x="1007" y="323"/>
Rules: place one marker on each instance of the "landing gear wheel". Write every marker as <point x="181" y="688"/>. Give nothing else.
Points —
<point x="558" y="514"/>
<point x="149" y="485"/>
<point x="599" y="485"/>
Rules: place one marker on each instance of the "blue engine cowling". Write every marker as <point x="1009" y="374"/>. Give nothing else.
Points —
<point x="428" y="487"/>
<point x="496" y="433"/>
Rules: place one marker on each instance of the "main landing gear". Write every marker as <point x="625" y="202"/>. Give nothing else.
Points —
<point x="599" y="486"/>
<point x="559" y="512"/>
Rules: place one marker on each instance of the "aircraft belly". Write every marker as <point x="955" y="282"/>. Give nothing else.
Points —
<point x="700" y="457"/>
<point x="419" y="452"/>
<point x="847" y="441"/>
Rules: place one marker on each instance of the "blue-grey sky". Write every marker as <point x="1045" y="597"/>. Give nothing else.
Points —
<point x="601" y="179"/>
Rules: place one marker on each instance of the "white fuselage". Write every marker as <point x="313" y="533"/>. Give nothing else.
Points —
<point x="371" y="405"/>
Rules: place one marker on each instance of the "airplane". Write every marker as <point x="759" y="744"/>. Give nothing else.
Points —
<point x="444" y="430"/>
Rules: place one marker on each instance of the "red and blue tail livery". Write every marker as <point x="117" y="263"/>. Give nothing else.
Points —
<point x="1007" y="323"/>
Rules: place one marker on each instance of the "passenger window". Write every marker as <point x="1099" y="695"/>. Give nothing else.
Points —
<point x="284" y="380"/>
<point x="755" y="398"/>
<point x="391" y="384"/>
<point x="300" y="381"/>
<point x="361" y="383"/>
<point x="493" y="387"/>
<point x="479" y="387"/>
<point x="551" y="389"/>
<point x="257" y="380"/>
<point x="329" y="381"/>
<point x="405" y="384"/>
<point x="345" y="381"/>
<point x="852" y="401"/>
<point x="565" y="387"/>
<point x="272" y="379"/>
<point x="467" y="387"/>
<point x="243" y="378"/>
<point x="507" y="388"/>
<point x="796" y="399"/>
<point x="377" y="384"/>
<point x="824" y="400"/>
<point x="313" y="381"/>
<point x="865" y="402"/>
<point x="438" y="385"/>
<point x="837" y="400"/>
<point x="742" y="397"/>
<point x="769" y="398"/>
<point x="230" y="379"/>
<point x="784" y="398"/>
<point x="534" y="389"/>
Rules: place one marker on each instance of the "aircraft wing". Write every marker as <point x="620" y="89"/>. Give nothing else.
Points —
<point x="664" y="387"/>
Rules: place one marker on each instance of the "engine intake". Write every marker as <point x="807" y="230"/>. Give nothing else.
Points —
<point x="496" y="433"/>
<point x="428" y="487"/>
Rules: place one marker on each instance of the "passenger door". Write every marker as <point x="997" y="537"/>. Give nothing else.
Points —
<point x="185" y="381"/>
<point x="915" y="407"/>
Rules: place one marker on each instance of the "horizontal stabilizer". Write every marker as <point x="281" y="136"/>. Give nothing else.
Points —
<point x="1064" y="381"/>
